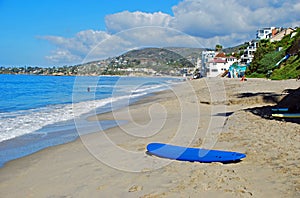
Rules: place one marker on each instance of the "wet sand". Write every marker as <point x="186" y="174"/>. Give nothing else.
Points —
<point x="214" y="113"/>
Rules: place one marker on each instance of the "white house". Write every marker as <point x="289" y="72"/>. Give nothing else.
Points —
<point x="248" y="55"/>
<point x="264" y="33"/>
<point x="231" y="59"/>
<point x="272" y="33"/>
<point x="280" y="34"/>
<point x="219" y="64"/>
<point x="207" y="56"/>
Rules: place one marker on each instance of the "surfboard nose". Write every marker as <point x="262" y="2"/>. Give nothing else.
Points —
<point x="240" y="155"/>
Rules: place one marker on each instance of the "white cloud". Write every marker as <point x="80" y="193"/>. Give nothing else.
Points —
<point x="196" y="23"/>
<point x="208" y="19"/>
<point x="221" y="18"/>
<point x="127" y="20"/>
<point x="81" y="43"/>
<point x="91" y="45"/>
<point x="76" y="48"/>
<point x="63" y="56"/>
<point x="148" y="36"/>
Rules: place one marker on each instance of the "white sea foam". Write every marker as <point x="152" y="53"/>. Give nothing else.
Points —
<point x="14" y="124"/>
<point x="18" y="123"/>
<point x="147" y="88"/>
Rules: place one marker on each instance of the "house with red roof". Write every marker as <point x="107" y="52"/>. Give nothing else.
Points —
<point x="219" y="64"/>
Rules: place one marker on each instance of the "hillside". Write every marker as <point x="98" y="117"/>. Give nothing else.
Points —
<point x="190" y="54"/>
<point x="152" y="61"/>
<point x="160" y="56"/>
<point x="269" y="58"/>
<point x="145" y="61"/>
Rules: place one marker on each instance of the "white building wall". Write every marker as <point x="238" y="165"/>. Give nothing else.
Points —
<point x="248" y="55"/>
<point x="264" y="33"/>
<point x="207" y="56"/>
<point x="216" y="69"/>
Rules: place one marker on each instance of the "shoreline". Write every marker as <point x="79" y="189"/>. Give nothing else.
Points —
<point x="270" y="168"/>
<point x="54" y="134"/>
<point x="143" y="101"/>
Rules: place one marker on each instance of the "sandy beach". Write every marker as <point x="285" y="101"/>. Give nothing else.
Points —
<point x="224" y="114"/>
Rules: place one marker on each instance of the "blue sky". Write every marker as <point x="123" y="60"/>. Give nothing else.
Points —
<point x="64" y="32"/>
<point x="22" y="21"/>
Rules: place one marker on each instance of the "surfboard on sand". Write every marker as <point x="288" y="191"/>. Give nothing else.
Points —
<point x="280" y="109"/>
<point x="286" y="115"/>
<point x="193" y="154"/>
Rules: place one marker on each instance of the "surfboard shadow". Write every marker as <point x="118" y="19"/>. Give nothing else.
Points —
<point x="290" y="101"/>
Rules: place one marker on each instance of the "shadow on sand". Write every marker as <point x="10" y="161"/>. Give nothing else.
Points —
<point x="266" y="97"/>
<point x="290" y="101"/>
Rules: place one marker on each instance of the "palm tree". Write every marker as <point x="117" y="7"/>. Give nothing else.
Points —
<point x="219" y="47"/>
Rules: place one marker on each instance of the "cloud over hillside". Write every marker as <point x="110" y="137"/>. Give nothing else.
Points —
<point x="194" y="23"/>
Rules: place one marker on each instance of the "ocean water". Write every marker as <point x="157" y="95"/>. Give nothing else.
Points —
<point x="37" y="112"/>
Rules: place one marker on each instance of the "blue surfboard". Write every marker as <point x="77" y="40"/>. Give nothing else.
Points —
<point x="193" y="154"/>
<point x="280" y="109"/>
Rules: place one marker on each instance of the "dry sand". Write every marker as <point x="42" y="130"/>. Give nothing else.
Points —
<point x="213" y="113"/>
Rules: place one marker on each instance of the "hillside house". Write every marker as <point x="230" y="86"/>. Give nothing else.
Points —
<point x="248" y="55"/>
<point x="265" y="33"/>
<point x="280" y="34"/>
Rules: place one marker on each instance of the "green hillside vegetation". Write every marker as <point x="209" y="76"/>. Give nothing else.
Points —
<point x="145" y="61"/>
<point x="161" y="60"/>
<point x="270" y="53"/>
<point x="155" y="58"/>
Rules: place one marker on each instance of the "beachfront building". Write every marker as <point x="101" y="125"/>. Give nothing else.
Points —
<point x="219" y="64"/>
<point x="216" y="67"/>
<point x="206" y="57"/>
<point x="248" y="55"/>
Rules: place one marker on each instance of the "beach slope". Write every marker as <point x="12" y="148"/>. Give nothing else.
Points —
<point x="223" y="114"/>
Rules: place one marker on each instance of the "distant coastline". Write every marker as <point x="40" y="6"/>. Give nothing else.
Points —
<point x="75" y="71"/>
<point x="142" y="62"/>
<point x="120" y="75"/>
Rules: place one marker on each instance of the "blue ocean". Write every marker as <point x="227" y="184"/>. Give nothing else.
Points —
<point x="37" y="112"/>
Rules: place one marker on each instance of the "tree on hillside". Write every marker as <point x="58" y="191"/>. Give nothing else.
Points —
<point x="219" y="47"/>
<point x="268" y="54"/>
<point x="265" y="47"/>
